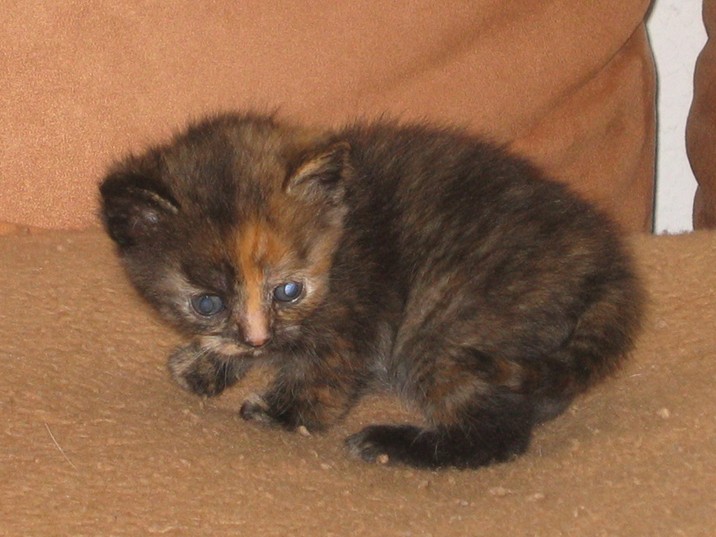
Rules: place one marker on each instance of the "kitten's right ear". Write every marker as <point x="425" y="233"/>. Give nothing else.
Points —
<point x="134" y="206"/>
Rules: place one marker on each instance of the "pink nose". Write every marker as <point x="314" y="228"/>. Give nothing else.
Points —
<point x="254" y="328"/>
<point x="256" y="340"/>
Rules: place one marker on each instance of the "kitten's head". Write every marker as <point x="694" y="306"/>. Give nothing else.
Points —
<point x="229" y="230"/>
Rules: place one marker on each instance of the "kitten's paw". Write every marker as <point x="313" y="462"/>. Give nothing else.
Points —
<point x="256" y="409"/>
<point x="387" y="444"/>
<point x="199" y="373"/>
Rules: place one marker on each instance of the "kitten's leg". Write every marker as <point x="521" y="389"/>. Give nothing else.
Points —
<point x="313" y="396"/>
<point x="490" y="431"/>
<point x="204" y="372"/>
<point x="474" y="420"/>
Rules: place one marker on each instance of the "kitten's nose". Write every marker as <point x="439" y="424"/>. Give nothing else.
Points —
<point x="254" y="327"/>
<point x="256" y="340"/>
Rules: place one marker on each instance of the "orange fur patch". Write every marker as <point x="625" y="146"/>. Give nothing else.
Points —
<point x="257" y="249"/>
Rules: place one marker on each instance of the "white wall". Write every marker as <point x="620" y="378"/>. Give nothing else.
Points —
<point x="677" y="35"/>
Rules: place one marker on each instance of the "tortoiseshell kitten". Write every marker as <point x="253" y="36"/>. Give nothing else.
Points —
<point x="418" y="258"/>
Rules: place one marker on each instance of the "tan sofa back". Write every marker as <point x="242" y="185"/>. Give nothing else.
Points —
<point x="570" y="83"/>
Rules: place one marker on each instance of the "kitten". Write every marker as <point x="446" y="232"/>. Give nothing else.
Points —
<point x="420" y="258"/>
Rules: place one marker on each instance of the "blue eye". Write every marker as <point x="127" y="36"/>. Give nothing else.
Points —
<point x="207" y="305"/>
<point x="288" y="292"/>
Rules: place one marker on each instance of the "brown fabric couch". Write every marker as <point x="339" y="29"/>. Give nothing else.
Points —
<point x="94" y="438"/>
<point x="701" y="127"/>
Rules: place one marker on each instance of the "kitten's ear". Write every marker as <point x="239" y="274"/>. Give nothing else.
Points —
<point x="319" y="177"/>
<point x="134" y="206"/>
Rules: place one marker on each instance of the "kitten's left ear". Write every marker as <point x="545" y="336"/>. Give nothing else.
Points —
<point x="320" y="175"/>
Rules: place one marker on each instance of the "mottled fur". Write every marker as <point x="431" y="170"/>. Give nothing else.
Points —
<point x="430" y="261"/>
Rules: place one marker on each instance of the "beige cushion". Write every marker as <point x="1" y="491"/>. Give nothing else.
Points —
<point x="96" y="440"/>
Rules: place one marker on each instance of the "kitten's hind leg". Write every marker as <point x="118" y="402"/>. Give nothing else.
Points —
<point x="488" y="430"/>
<point x="204" y="372"/>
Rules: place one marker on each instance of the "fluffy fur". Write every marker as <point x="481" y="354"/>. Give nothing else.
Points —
<point x="408" y="256"/>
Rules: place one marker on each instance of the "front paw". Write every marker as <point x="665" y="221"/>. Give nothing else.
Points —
<point x="200" y="372"/>
<point x="258" y="410"/>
